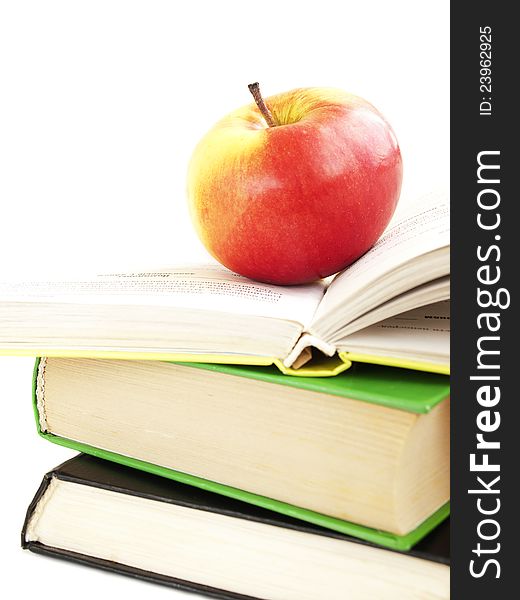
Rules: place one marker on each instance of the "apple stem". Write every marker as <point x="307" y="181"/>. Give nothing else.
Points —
<point x="254" y="88"/>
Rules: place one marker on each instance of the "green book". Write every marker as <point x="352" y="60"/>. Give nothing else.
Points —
<point x="364" y="453"/>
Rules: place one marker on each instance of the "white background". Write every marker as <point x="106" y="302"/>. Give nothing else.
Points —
<point x="101" y="104"/>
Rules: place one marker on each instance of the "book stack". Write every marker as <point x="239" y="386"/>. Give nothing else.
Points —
<point x="244" y="440"/>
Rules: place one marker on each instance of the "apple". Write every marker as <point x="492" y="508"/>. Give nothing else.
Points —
<point x="296" y="187"/>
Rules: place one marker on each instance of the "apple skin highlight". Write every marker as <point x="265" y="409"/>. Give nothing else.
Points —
<point x="302" y="200"/>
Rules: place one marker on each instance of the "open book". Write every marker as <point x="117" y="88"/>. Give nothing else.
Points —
<point x="389" y="307"/>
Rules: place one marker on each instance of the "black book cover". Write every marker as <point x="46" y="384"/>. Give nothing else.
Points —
<point x="91" y="471"/>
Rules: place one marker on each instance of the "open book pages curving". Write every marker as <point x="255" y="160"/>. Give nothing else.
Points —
<point x="210" y="314"/>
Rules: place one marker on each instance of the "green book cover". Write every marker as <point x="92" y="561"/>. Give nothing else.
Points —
<point x="417" y="392"/>
<point x="411" y="391"/>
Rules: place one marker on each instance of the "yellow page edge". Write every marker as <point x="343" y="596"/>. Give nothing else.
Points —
<point x="396" y="362"/>
<point x="235" y="359"/>
<point x="330" y="368"/>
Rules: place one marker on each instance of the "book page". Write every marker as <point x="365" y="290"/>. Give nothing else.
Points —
<point x="419" y="332"/>
<point x="423" y="295"/>
<point x="211" y="288"/>
<point x="420" y="230"/>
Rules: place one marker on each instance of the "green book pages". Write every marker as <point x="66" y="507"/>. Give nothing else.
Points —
<point x="418" y="393"/>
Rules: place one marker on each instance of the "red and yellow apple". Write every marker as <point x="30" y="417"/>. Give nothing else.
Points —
<point x="295" y="188"/>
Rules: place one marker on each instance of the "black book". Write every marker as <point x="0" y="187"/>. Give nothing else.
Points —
<point x="109" y="516"/>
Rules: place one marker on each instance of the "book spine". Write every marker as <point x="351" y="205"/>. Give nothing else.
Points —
<point x="122" y="569"/>
<point x="32" y="506"/>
